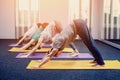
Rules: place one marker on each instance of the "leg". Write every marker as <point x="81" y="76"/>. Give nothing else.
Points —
<point x="83" y="32"/>
<point x="76" y="52"/>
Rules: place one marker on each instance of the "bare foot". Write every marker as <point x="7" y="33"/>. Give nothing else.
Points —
<point x="93" y="62"/>
<point x="74" y="54"/>
<point x="97" y="65"/>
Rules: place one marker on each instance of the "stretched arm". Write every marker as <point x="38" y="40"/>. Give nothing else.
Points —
<point x="48" y="56"/>
<point x="39" y="44"/>
<point x="27" y="45"/>
<point x="20" y="41"/>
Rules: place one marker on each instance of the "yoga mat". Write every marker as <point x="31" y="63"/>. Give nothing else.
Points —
<point x="13" y="45"/>
<point x="45" y="45"/>
<point x="63" y="55"/>
<point x="15" y="49"/>
<point x="75" y="64"/>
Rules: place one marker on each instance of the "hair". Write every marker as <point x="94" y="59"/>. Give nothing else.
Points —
<point x="39" y="24"/>
<point x="44" y="25"/>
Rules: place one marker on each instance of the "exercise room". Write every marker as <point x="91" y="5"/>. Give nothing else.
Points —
<point x="59" y="40"/>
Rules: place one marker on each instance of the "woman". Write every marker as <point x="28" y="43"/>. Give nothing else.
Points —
<point x="78" y="27"/>
<point x="35" y="37"/>
<point x="48" y="35"/>
<point x="28" y="35"/>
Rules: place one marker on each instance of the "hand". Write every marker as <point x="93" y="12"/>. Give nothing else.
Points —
<point x="24" y="56"/>
<point x="34" y="67"/>
<point x="15" y="45"/>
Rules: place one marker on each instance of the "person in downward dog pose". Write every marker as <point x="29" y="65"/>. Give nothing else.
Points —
<point x="28" y="35"/>
<point x="50" y="31"/>
<point x="48" y="35"/>
<point x="35" y="37"/>
<point x="67" y="35"/>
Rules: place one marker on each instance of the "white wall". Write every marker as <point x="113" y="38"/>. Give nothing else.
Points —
<point x="54" y="10"/>
<point x="7" y="19"/>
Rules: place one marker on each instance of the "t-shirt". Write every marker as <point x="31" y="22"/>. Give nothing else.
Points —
<point x="37" y="33"/>
<point x="31" y="31"/>
<point x="49" y="32"/>
<point x="67" y="35"/>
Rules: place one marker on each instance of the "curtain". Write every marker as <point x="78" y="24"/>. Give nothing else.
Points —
<point x="27" y="13"/>
<point x="111" y="19"/>
<point x="79" y="9"/>
<point x="74" y="10"/>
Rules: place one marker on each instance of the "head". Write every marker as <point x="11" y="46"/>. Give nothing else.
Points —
<point x="59" y="42"/>
<point x="42" y="24"/>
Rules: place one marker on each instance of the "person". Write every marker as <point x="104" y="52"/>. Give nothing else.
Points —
<point x="48" y="35"/>
<point x="78" y="27"/>
<point x="72" y="45"/>
<point x="35" y="37"/>
<point x="28" y="35"/>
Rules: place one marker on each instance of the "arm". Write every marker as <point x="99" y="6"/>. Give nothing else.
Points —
<point x="48" y="56"/>
<point x="20" y="41"/>
<point x="39" y="44"/>
<point x="29" y="33"/>
<point x="27" y="45"/>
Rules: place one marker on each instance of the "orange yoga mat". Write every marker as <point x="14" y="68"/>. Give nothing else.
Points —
<point x="14" y="49"/>
<point x="75" y="64"/>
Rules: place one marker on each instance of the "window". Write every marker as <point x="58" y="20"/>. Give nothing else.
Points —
<point x="111" y="19"/>
<point x="79" y="9"/>
<point x="27" y="13"/>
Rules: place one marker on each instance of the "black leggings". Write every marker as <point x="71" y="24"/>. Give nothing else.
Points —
<point x="84" y="34"/>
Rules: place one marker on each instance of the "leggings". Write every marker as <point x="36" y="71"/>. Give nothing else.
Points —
<point x="82" y="31"/>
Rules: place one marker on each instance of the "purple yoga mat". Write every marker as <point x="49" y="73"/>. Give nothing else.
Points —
<point x="13" y="45"/>
<point x="63" y="55"/>
<point x="44" y="46"/>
